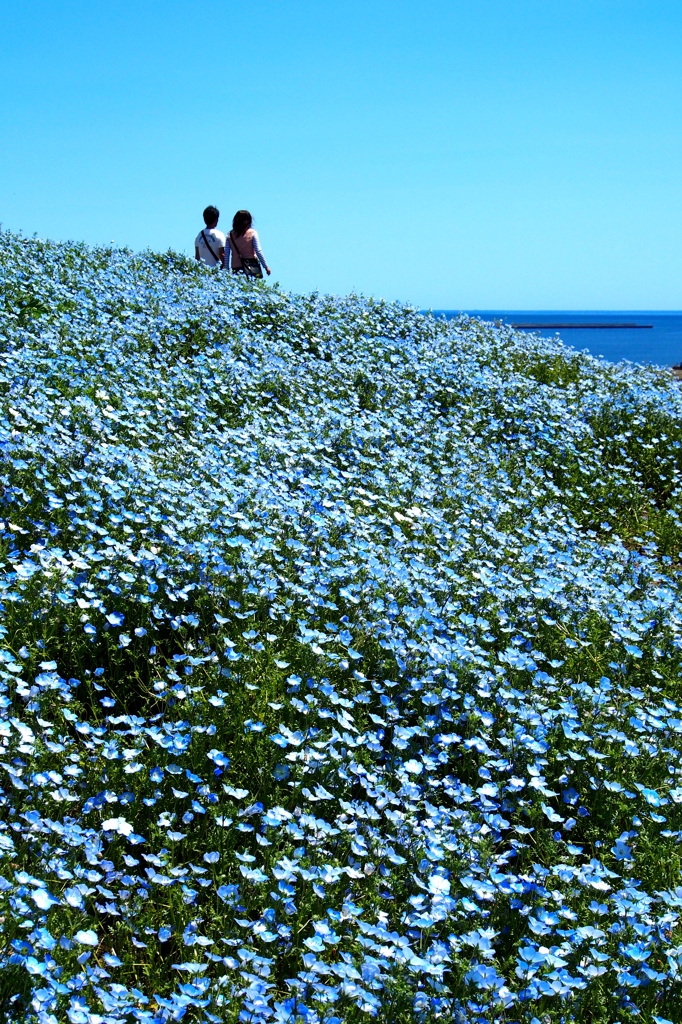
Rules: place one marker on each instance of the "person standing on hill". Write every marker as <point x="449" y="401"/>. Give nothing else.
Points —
<point x="209" y="245"/>
<point x="243" y="247"/>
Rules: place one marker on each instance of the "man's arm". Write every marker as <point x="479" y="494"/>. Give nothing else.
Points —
<point x="196" y="253"/>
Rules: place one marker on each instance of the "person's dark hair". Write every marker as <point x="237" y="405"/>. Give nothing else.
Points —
<point x="211" y="215"/>
<point x="241" y="222"/>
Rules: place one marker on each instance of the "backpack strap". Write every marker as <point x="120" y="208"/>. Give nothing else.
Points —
<point x="232" y="239"/>
<point x="209" y="246"/>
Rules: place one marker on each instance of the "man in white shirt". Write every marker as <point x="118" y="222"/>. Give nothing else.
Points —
<point x="209" y="245"/>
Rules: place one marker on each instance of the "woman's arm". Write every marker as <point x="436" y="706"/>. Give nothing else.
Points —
<point x="259" y="252"/>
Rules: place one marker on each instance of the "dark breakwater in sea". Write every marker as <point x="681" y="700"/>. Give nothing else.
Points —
<point x="641" y="337"/>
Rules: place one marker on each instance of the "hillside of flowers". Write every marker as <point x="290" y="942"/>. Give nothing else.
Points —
<point x="340" y="659"/>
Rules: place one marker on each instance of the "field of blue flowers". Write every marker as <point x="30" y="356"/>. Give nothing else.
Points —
<point x="339" y="659"/>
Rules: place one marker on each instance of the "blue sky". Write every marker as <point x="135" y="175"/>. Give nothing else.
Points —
<point x="487" y="154"/>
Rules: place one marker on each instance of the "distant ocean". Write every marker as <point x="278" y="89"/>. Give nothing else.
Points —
<point x="657" y="338"/>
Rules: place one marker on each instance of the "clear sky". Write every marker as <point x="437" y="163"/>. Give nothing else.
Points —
<point x="468" y="154"/>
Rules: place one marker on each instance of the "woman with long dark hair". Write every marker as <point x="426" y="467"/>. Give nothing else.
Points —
<point x="243" y="247"/>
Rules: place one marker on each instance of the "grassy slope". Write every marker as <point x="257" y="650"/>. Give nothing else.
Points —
<point x="360" y="634"/>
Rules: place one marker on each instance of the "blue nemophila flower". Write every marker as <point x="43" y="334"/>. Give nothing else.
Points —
<point x="119" y="825"/>
<point x="74" y="897"/>
<point x="44" y="899"/>
<point x="651" y="796"/>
